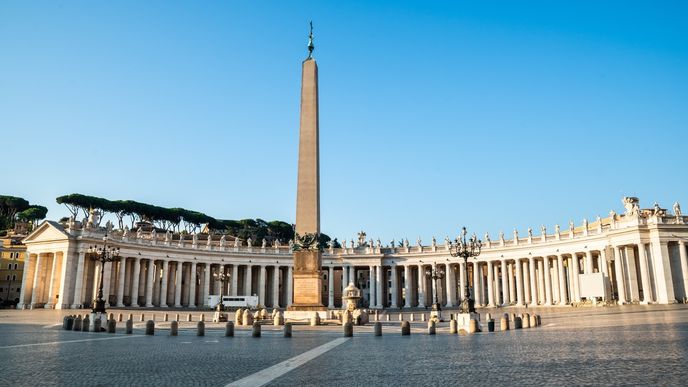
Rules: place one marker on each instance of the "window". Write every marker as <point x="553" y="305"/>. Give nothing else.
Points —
<point x="9" y="266"/>
<point x="19" y="289"/>
<point x="14" y="277"/>
<point x="0" y="290"/>
<point x="8" y="277"/>
<point x="16" y="265"/>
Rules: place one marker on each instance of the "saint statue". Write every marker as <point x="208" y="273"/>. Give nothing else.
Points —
<point x="543" y="230"/>
<point x="194" y="239"/>
<point x="223" y="240"/>
<point x="530" y="232"/>
<point x="264" y="243"/>
<point x="677" y="209"/>
<point x="139" y="233"/>
<point x="125" y="233"/>
<point x="249" y="242"/>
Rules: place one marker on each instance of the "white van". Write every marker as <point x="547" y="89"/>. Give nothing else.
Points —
<point x="233" y="301"/>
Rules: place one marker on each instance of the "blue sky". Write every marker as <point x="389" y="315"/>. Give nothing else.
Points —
<point x="433" y="115"/>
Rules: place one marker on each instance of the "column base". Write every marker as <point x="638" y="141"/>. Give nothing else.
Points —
<point x="49" y="306"/>
<point x="133" y="306"/>
<point x="149" y="305"/>
<point x="164" y="306"/>
<point x="75" y="306"/>
<point x="119" y="305"/>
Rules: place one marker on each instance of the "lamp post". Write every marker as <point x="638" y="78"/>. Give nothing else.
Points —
<point x="221" y="276"/>
<point x="103" y="255"/>
<point x="466" y="248"/>
<point x="436" y="274"/>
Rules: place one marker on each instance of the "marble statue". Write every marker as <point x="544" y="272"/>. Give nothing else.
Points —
<point x="277" y="242"/>
<point x="223" y="240"/>
<point x="139" y="233"/>
<point x="487" y="237"/>
<point x="344" y="244"/>
<point x="585" y="223"/>
<point x="361" y="238"/>
<point x="557" y="229"/>
<point x="515" y="234"/>
<point x="434" y="242"/>
<point x="406" y="243"/>
<point x="291" y="244"/>
<point x="108" y="226"/>
<point x="598" y="219"/>
<point x="392" y="244"/>
<point x="210" y="240"/>
<point x="418" y="242"/>
<point x="125" y="233"/>
<point x="237" y="242"/>
<point x="447" y="242"/>
<point x="530" y="232"/>
<point x="194" y="239"/>
<point x="154" y="235"/>
<point x="378" y="244"/>
<point x="543" y="230"/>
<point x="501" y="236"/>
<point x="263" y="243"/>
<point x="249" y="242"/>
<point x="571" y="225"/>
<point x="168" y="236"/>
<point x="632" y="205"/>
<point x="677" y="210"/>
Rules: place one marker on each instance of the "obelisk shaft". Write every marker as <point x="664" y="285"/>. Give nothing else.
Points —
<point x="308" y="189"/>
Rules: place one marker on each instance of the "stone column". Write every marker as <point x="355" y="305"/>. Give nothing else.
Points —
<point x="394" y="290"/>
<point x="477" y="279"/>
<point x="505" y="283"/>
<point x="149" y="283"/>
<point x="588" y="262"/>
<point x="603" y="262"/>
<point x="206" y="284"/>
<point x="407" y="286"/>
<point x="554" y="275"/>
<point x="120" y="281"/>
<point x="548" y="281"/>
<point x="371" y="287"/>
<point x="450" y="285"/>
<point x="247" y="281"/>
<point x="421" y="287"/>
<point x="533" y="284"/>
<point x="192" y="286"/>
<point x="178" y="285"/>
<point x="78" y="287"/>
<point x="526" y="282"/>
<point x="275" y="287"/>
<point x="462" y="280"/>
<point x="330" y="287"/>
<point x="618" y="268"/>
<point x="512" y="283"/>
<point x="290" y="293"/>
<point x="378" y="283"/>
<point x="664" y="283"/>
<point x="541" y="280"/>
<point x="644" y="274"/>
<point x="684" y="265"/>
<point x="51" y="283"/>
<point x="345" y="279"/>
<point x="135" y="280"/>
<point x="261" y="285"/>
<point x="497" y="285"/>
<point x="490" y="280"/>
<point x="519" y="283"/>
<point x="163" y="284"/>
<point x="36" y="281"/>
<point x="563" y="300"/>
<point x="235" y="279"/>
<point x="574" y="277"/>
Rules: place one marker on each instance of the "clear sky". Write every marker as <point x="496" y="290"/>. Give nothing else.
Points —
<point x="432" y="115"/>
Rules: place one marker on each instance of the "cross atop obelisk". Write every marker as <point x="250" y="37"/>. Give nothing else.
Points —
<point x="307" y="256"/>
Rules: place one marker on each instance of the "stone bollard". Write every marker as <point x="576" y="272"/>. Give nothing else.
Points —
<point x="229" y="329"/>
<point x="176" y="317"/>
<point x="174" y="328"/>
<point x="256" y="329"/>
<point x="472" y="326"/>
<point x="119" y="317"/>
<point x="453" y="326"/>
<point x="143" y="317"/>
<point x="315" y="320"/>
<point x="377" y="329"/>
<point x="111" y="325"/>
<point x="432" y="328"/>
<point x="349" y="329"/>
<point x="405" y="328"/>
<point x="490" y="325"/>
<point x="165" y="317"/>
<point x="85" y="324"/>
<point x="387" y="316"/>
<point x="278" y="319"/>
<point x="238" y="317"/>
<point x="96" y="325"/>
<point x="70" y="323"/>
<point x="411" y="317"/>
<point x="200" y="329"/>
<point x="201" y="317"/>
<point x="287" y="330"/>
<point x="129" y="327"/>
<point x="189" y="318"/>
<point x="525" y="318"/>
<point x="150" y="327"/>
<point x="504" y="324"/>
<point x="64" y="322"/>
<point x="533" y="321"/>
<point x="538" y="320"/>
<point x="518" y="324"/>
<point x="77" y="324"/>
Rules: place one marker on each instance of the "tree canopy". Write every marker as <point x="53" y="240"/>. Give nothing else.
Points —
<point x="13" y="208"/>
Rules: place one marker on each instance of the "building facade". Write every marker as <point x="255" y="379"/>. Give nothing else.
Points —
<point x="639" y="256"/>
<point x="12" y="253"/>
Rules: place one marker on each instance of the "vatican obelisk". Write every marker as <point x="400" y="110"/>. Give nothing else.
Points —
<point x="307" y="255"/>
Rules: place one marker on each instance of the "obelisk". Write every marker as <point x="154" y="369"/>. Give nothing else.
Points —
<point x="307" y="256"/>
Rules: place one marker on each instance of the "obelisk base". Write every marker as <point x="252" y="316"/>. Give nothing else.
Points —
<point x="307" y="282"/>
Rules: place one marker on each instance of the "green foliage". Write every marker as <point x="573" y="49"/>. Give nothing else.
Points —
<point x="13" y="208"/>
<point x="33" y="213"/>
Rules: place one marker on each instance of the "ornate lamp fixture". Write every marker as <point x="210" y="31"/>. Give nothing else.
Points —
<point x="436" y="274"/>
<point x="466" y="248"/>
<point x="223" y="277"/>
<point x="102" y="254"/>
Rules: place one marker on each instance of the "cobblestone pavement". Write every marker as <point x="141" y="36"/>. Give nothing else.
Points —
<point x="642" y="345"/>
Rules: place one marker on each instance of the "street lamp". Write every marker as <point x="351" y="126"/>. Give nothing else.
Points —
<point x="436" y="274"/>
<point x="221" y="276"/>
<point x="102" y="254"/>
<point x="466" y="249"/>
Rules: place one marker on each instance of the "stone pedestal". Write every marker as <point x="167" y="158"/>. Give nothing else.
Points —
<point x="307" y="282"/>
<point x="463" y="322"/>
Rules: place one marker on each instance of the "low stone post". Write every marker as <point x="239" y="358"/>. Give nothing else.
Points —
<point x="200" y="329"/>
<point x="143" y="317"/>
<point x="64" y="322"/>
<point x="287" y="330"/>
<point x="525" y="318"/>
<point x="348" y="329"/>
<point x="111" y="325"/>
<point x="453" y="326"/>
<point x="432" y="328"/>
<point x="119" y="317"/>
<point x="201" y="317"/>
<point x="491" y="325"/>
<point x="176" y="317"/>
<point x="77" y="324"/>
<point x="472" y="326"/>
<point x="229" y="329"/>
<point x="538" y="320"/>
<point x="70" y="323"/>
<point x="518" y="323"/>
<point x="422" y="317"/>
<point x="150" y="327"/>
<point x="504" y="324"/>
<point x="238" y="317"/>
<point x="165" y="317"/>
<point x="174" y="328"/>
<point x="377" y="328"/>
<point x="315" y="320"/>
<point x="405" y="328"/>
<point x="256" y="329"/>
<point x="85" y="324"/>
<point x="278" y="319"/>
<point x="189" y="318"/>
<point x="533" y="321"/>
<point x="96" y="325"/>
<point x="129" y="327"/>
